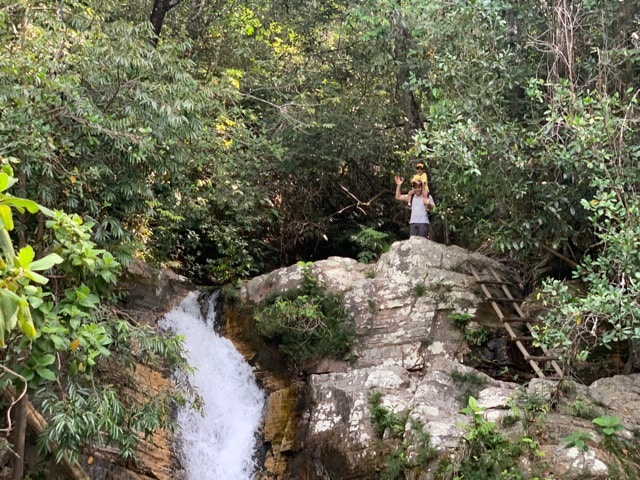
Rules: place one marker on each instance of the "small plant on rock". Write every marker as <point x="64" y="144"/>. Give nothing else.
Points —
<point x="419" y="290"/>
<point x="581" y="409"/>
<point x="460" y="320"/>
<point x="486" y="453"/>
<point x="383" y="418"/>
<point x="477" y="336"/>
<point x="577" y="440"/>
<point x="609" y="426"/>
<point x="407" y="449"/>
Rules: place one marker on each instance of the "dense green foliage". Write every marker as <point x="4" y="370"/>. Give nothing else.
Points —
<point x="58" y="336"/>
<point x="308" y="323"/>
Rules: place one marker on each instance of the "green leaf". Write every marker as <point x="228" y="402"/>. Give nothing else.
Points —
<point x="46" y="374"/>
<point x="47" y="359"/>
<point x="7" y="245"/>
<point x="4" y="181"/>
<point x="47" y="262"/>
<point x="27" y="328"/>
<point x="7" y="217"/>
<point x="36" y="277"/>
<point x="22" y="203"/>
<point x="25" y="256"/>
<point x="9" y="303"/>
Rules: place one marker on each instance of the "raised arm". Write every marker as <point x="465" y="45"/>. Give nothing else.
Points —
<point x="398" y="179"/>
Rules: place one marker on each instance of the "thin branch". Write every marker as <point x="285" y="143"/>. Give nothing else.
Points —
<point x="358" y="203"/>
<point x="560" y="256"/>
<point x="13" y="401"/>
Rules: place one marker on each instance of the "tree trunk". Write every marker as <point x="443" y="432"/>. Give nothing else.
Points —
<point x="160" y="9"/>
<point x="19" y="435"/>
<point x="412" y="121"/>
<point x="411" y="111"/>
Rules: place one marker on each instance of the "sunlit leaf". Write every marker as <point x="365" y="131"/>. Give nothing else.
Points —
<point x="36" y="277"/>
<point x="26" y="256"/>
<point x="47" y="262"/>
<point x="22" y="204"/>
<point x="7" y="217"/>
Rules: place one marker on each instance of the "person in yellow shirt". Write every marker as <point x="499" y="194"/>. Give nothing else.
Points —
<point x="420" y="176"/>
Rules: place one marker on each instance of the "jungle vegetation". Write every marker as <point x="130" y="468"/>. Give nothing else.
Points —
<point x="228" y="138"/>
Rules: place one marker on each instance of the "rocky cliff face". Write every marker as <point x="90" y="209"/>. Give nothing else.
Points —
<point x="319" y="425"/>
<point x="151" y="294"/>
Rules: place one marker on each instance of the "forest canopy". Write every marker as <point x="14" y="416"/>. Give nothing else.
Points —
<point x="234" y="137"/>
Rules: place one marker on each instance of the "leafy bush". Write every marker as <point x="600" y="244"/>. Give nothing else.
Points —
<point x="57" y="327"/>
<point x="419" y="290"/>
<point x="371" y="242"/>
<point x="475" y="336"/>
<point x="309" y="324"/>
<point x="577" y="440"/>
<point x="383" y="418"/>
<point x="608" y="424"/>
<point x="415" y="449"/>
<point x="460" y="320"/>
<point x="486" y="452"/>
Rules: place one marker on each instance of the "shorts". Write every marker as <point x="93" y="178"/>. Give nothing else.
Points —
<point x="419" y="230"/>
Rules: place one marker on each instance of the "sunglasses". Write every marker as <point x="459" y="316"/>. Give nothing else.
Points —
<point x="416" y="185"/>
<point x="419" y="168"/>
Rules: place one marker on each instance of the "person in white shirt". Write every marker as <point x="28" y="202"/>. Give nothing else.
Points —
<point x="421" y="205"/>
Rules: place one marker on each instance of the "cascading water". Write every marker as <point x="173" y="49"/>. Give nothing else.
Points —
<point x="221" y="444"/>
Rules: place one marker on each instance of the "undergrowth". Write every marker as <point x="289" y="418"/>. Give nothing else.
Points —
<point x="402" y="449"/>
<point x="308" y="323"/>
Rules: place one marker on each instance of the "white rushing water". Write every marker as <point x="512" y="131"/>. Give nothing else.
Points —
<point x="220" y="445"/>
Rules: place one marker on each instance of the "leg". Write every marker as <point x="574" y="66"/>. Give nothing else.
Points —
<point x="422" y="229"/>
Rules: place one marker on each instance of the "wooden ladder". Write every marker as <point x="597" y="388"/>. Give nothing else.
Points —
<point x="506" y="321"/>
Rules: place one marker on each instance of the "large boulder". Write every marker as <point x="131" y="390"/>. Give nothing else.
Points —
<point x="410" y="352"/>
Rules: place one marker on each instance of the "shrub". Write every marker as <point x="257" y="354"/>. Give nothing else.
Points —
<point x="414" y="449"/>
<point x="309" y="323"/>
<point x="419" y="290"/>
<point x="460" y="320"/>
<point x="371" y="243"/>
<point x="486" y="452"/>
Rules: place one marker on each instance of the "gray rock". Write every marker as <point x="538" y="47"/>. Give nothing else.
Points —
<point x="409" y="350"/>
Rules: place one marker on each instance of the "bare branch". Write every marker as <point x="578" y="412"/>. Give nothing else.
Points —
<point x="358" y="204"/>
<point x="11" y="399"/>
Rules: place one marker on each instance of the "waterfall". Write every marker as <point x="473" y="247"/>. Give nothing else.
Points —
<point x="221" y="444"/>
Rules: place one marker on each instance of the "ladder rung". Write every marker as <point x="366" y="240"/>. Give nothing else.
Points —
<point x="522" y="339"/>
<point x="505" y="299"/>
<point x="539" y="358"/>
<point x="493" y="282"/>
<point x="514" y="319"/>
